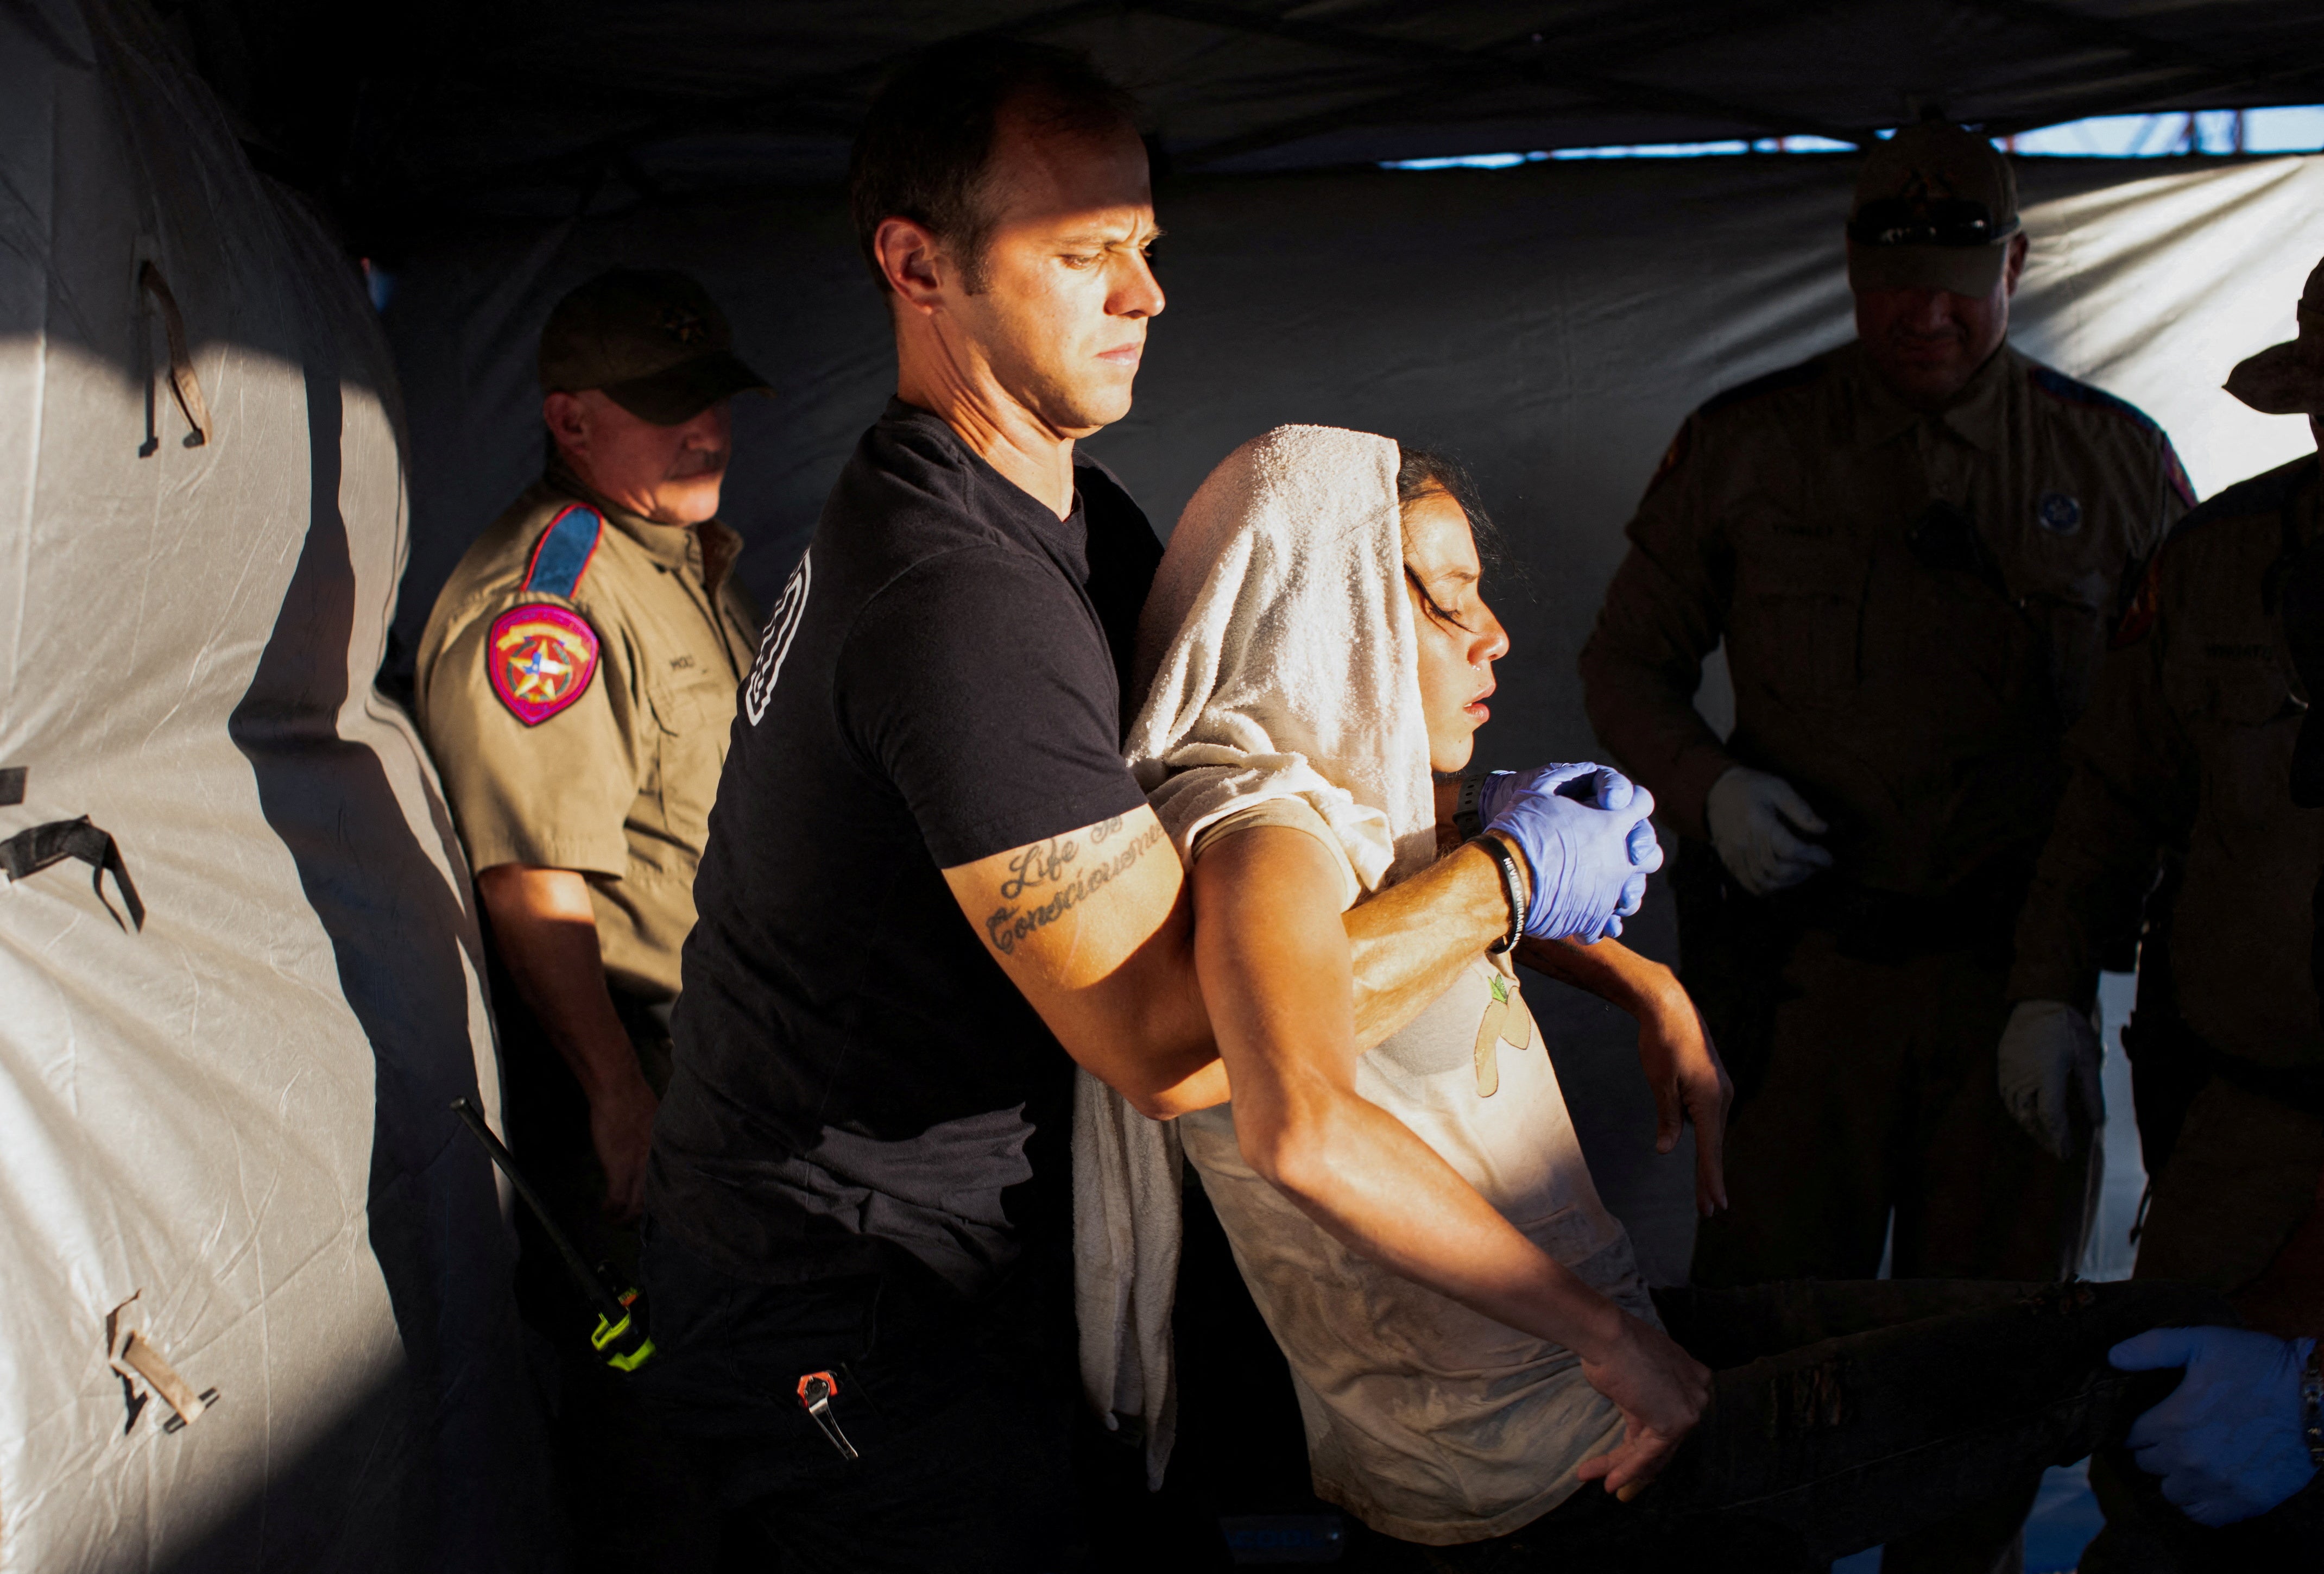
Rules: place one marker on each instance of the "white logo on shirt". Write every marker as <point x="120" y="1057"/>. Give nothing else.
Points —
<point x="782" y="627"/>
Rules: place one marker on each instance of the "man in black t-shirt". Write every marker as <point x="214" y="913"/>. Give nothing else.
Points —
<point x="928" y="869"/>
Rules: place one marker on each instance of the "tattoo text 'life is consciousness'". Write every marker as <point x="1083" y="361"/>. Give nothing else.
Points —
<point x="1049" y="863"/>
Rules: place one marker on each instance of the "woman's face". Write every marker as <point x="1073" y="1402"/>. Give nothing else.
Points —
<point x="1460" y="638"/>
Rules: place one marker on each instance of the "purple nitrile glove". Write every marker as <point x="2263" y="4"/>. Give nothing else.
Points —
<point x="2228" y="1443"/>
<point x="1586" y="838"/>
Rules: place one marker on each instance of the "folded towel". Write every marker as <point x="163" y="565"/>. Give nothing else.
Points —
<point x="1276" y="659"/>
<point x="1127" y="1229"/>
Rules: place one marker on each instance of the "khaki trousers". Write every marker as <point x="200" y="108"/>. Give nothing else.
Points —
<point x="1880" y="1095"/>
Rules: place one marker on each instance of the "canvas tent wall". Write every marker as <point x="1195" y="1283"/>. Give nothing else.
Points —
<point x="1551" y="325"/>
<point x="223" y="1131"/>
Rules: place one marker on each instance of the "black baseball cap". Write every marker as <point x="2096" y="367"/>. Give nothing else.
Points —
<point x="1935" y="208"/>
<point x="650" y="340"/>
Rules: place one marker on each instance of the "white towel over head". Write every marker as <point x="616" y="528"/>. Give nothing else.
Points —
<point x="1276" y="655"/>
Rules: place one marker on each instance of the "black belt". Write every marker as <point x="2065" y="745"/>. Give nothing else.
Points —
<point x="1978" y="916"/>
<point x="2299" y="1087"/>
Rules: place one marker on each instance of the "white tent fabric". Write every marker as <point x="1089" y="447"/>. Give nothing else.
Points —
<point x="1551" y="324"/>
<point x="225" y="1132"/>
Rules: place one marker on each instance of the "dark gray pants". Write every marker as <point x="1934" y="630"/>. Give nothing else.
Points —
<point x="1847" y="1415"/>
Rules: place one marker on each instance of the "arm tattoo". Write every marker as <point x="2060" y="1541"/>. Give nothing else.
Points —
<point x="1049" y="863"/>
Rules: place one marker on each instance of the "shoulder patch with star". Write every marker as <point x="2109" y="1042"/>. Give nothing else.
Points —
<point x="539" y="659"/>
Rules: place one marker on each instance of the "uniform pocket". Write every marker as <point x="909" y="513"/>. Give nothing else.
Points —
<point x="683" y="704"/>
<point x="2074" y="616"/>
<point x="694" y="720"/>
<point x="1796" y="626"/>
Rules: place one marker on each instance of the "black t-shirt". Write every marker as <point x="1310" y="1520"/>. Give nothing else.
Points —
<point x="940" y="681"/>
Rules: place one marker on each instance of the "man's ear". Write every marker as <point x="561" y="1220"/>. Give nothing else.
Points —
<point x="567" y="420"/>
<point x="912" y="260"/>
<point x="2015" y="265"/>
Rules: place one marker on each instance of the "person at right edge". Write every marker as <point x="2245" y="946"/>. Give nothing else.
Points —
<point x="1913" y="547"/>
<point x="2189" y="782"/>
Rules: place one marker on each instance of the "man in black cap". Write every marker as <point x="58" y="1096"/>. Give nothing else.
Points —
<point x="575" y="683"/>
<point x="1912" y="548"/>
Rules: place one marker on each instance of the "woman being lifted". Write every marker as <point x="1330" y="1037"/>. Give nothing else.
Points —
<point x="1465" y="1322"/>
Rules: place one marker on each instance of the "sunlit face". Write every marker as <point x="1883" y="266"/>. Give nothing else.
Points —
<point x="1925" y="343"/>
<point x="670" y="474"/>
<point x="1459" y="637"/>
<point x="1065" y="288"/>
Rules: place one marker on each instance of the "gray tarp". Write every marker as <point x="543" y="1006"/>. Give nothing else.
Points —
<point x="226" y="1132"/>
<point x="1550" y="324"/>
<point x="436" y="106"/>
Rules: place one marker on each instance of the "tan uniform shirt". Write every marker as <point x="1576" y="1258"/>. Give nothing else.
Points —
<point x="608" y="769"/>
<point x="2189" y="745"/>
<point x="1913" y="605"/>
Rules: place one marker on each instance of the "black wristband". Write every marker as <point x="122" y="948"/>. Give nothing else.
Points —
<point x="1512" y="887"/>
<point x="1468" y="820"/>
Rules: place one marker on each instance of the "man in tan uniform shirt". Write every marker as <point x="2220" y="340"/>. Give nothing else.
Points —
<point x="2191" y="762"/>
<point x="1912" y="548"/>
<point x="575" y="683"/>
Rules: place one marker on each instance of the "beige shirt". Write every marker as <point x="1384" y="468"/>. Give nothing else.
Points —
<point x="2188" y="746"/>
<point x="1919" y="707"/>
<point x="611" y="776"/>
<point x="1425" y="1419"/>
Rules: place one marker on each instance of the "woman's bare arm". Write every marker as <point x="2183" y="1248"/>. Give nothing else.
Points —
<point x="1674" y="1049"/>
<point x="1274" y="962"/>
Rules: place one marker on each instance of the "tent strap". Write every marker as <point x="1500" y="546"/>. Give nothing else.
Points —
<point x="27" y="852"/>
<point x="183" y="383"/>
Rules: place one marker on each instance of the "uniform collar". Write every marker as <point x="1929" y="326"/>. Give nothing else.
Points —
<point x="1976" y="415"/>
<point x="706" y="549"/>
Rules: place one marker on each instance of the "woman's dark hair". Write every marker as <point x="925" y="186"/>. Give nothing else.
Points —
<point x="1425" y="473"/>
<point x="923" y="149"/>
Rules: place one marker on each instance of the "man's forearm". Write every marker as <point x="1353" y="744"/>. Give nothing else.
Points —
<point x="546" y="933"/>
<point x="1409" y="941"/>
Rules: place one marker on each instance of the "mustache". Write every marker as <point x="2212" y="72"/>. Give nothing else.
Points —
<point x="695" y="462"/>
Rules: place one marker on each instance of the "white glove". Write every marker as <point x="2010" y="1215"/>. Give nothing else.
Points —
<point x="1747" y="811"/>
<point x="2050" y="1060"/>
